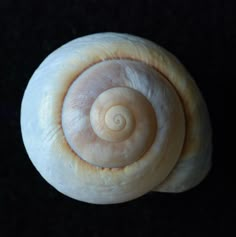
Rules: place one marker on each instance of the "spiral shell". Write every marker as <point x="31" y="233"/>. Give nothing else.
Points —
<point x="108" y="117"/>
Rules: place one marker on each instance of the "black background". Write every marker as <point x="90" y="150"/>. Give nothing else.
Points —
<point x="195" y="31"/>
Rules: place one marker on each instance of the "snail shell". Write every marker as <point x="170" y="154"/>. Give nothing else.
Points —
<point x="109" y="117"/>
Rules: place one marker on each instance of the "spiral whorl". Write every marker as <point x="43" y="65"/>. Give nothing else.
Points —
<point x="110" y="118"/>
<point x="117" y="118"/>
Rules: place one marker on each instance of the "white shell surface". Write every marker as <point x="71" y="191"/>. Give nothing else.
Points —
<point x="56" y="161"/>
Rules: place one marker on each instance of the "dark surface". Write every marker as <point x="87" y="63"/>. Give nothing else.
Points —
<point x="196" y="32"/>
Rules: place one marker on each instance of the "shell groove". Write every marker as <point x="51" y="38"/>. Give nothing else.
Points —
<point x="109" y="117"/>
